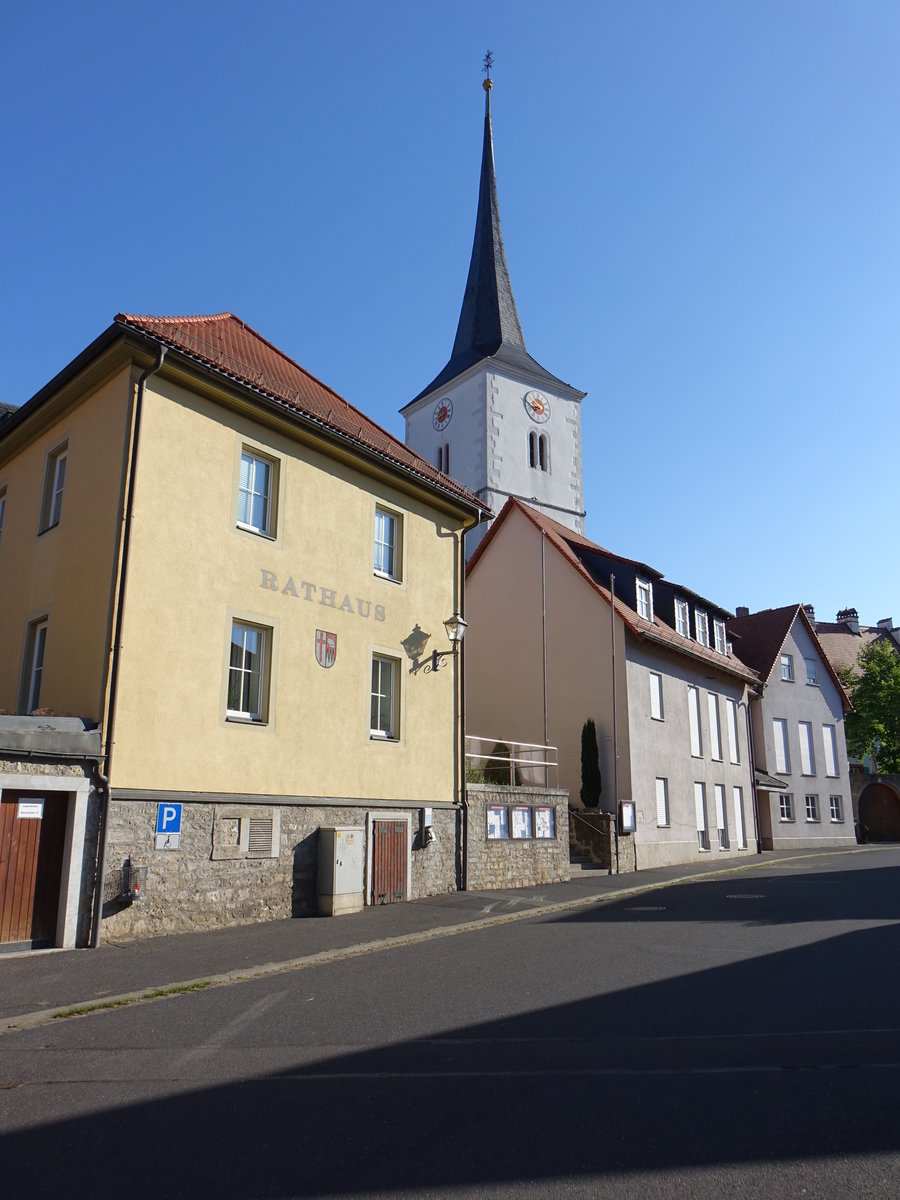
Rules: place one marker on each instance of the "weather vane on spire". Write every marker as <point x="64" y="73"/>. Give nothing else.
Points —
<point x="488" y="63"/>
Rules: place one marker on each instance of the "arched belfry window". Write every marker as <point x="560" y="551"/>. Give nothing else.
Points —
<point x="539" y="451"/>
<point x="443" y="458"/>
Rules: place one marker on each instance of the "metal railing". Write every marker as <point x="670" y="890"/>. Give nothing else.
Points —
<point x="511" y="764"/>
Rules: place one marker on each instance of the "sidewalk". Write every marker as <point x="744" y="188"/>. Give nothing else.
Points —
<point x="39" y="983"/>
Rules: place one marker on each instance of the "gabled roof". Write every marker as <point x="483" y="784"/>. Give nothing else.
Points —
<point x="760" y="636"/>
<point x="489" y="326"/>
<point x="842" y="646"/>
<point x="228" y="346"/>
<point x="576" y="550"/>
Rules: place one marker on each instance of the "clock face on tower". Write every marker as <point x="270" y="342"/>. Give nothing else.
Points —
<point x="537" y="406"/>
<point x="443" y="411"/>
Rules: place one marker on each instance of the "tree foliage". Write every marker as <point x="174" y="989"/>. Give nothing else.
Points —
<point x="591" y="782"/>
<point x="873" y="728"/>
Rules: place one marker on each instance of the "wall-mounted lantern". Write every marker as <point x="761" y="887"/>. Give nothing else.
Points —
<point x="456" y="630"/>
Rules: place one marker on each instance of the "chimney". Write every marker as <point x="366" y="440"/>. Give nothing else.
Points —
<point x="742" y="611"/>
<point x="811" y="613"/>
<point x="887" y="624"/>
<point x="850" y="618"/>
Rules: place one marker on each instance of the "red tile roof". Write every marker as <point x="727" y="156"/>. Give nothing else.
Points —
<point x="758" y="639"/>
<point x="842" y="645"/>
<point x="228" y="345"/>
<point x="567" y="542"/>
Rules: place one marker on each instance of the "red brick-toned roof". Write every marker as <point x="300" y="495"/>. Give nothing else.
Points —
<point x="567" y="543"/>
<point x="228" y="345"/>
<point x="842" y="645"/>
<point x="760" y="636"/>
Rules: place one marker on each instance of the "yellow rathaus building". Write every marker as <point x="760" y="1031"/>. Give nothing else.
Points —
<point x="222" y="590"/>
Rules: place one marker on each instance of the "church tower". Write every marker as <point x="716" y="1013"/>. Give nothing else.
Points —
<point x="494" y="418"/>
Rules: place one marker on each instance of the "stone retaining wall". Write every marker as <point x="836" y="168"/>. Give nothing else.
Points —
<point x="515" y="862"/>
<point x="209" y="882"/>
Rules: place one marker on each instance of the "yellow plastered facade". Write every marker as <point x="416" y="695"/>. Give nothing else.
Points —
<point x="192" y="571"/>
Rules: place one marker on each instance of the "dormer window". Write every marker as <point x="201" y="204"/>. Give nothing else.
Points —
<point x="701" y="624"/>
<point x="683" y="618"/>
<point x="721" y="643"/>
<point x="645" y="599"/>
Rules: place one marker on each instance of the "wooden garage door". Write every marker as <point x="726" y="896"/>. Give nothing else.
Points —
<point x="31" y="849"/>
<point x="389" y="855"/>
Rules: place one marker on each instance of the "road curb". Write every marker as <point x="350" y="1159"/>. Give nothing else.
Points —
<point x="33" y="1020"/>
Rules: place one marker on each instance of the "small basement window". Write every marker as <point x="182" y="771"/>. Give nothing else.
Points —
<point x="246" y="831"/>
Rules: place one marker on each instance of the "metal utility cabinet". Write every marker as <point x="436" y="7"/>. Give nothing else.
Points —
<point x="341" y="876"/>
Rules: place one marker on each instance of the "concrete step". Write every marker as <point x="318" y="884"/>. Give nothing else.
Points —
<point x="582" y="862"/>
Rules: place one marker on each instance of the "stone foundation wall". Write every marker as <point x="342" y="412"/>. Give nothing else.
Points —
<point x="208" y="882"/>
<point x="513" y="862"/>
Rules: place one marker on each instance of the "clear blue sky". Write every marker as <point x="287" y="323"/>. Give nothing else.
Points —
<point x="700" y="205"/>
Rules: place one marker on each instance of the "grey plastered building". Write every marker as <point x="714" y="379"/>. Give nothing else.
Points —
<point x="799" y="748"/>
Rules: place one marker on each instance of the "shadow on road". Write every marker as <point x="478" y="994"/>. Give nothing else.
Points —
<point x="786" y="1057"/>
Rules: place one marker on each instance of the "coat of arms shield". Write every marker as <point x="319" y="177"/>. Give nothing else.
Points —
<point x="326" y="648"/>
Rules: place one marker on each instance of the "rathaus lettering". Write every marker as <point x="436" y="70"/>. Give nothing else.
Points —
<point x="327" y="596"/>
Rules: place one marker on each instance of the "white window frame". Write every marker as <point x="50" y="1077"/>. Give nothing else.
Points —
<point x="720" y="637"/>
<point x="33" y="664"/>
<point x="734" y="741"/>
<point x="683" y="618"/>
<point x="812" y="808"/>
<point x="721" y="816"/>
<point x="701" y="624"/>
<point x="644" y="599"/>
<point x="694" y="721"/>
<point x="385" y="674"/>
<point x="787" y="668"/>
<point x="54" y="486"/>
<point x="700" y="814"/>
<point x="829" y="742"/>
<point x="662" y="803"/>
<point x="657" y="707"/>
<point x="740" y="828"/>
<point x="836" y="808"/>
<point x="715" y="727"/>
<point x="388" y="545"/>
<point x="782" y="749"/>
<point x="246" y="711"/>
<point x="248" y="494"/>
<point x="807" y="753"/>
<point x="811" y="679"/>
<point x="786" y="807"/>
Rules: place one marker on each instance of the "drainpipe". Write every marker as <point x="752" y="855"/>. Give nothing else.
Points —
<point x="753" y="790"/>
<point x="103" y="779"/>
<point x="544" y="643"/>
<point x="612" y="624"/>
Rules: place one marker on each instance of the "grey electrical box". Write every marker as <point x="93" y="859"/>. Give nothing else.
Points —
<point x="341" y="877"/>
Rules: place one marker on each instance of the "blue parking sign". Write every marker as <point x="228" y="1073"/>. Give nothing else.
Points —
<point x="168" y="826"/>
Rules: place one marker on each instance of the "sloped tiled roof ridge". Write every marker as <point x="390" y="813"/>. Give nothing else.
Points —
<point x="229" y="345"/>
<point x="489" y="325"/>
<point x="574" y="548"/>
<point x="760" y="636"/>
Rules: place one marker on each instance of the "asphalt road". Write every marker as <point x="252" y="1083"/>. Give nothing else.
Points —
<point x="730" y="1037"/>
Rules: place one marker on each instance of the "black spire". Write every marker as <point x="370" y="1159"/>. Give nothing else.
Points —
<point x="489" y="325"/>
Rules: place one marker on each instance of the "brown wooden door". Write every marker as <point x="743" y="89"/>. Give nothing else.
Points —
<point x="31" y="851"/>
<point x="388" y="861"/>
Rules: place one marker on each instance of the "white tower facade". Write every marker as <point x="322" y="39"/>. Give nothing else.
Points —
<point x="494" y="418"/>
